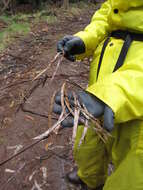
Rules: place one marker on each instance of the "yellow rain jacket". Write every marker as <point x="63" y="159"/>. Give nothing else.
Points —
<point x="122" y="90"/>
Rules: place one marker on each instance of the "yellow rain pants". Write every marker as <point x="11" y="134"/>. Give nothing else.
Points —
<point x="123" y="92"/>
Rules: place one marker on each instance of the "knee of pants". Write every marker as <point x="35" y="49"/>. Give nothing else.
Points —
<point x="92" y="154"/>
<point x="91" y="158"/>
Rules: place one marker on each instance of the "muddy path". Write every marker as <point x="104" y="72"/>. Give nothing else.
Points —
<point x="45" y="165"/>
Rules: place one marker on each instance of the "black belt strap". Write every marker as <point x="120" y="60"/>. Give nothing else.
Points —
<point x="101" y="56"/>
<point x="123" y="52"/>
<point x="128" y="37"/>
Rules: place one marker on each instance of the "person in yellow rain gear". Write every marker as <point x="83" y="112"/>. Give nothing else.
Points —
<point x="114" y="40"/>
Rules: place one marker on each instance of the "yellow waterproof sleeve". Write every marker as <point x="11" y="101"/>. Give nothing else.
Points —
<point x="123" y="92"/>
<point x="96" y="31"/>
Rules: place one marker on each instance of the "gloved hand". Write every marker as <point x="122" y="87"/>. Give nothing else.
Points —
<point x="71" y="46"/>
<point x="94" y="106"/>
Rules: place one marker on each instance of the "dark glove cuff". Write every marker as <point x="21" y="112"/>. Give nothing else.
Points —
<point x="79" y="46"/>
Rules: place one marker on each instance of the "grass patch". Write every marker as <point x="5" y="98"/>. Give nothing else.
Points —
<point x="82" y="5"/>
<point x="7" y="35"/>
<point x="45" y="15"/>
<point x="75" y="9"/>
<point x="20" y="23"/>
<point x="14" y="28"/>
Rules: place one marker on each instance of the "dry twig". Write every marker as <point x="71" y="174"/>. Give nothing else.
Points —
<point x="50" y="110"/>
<point x="51" y="130"/>
<point x="76" y="118"/>
<point x="44" y="71"/>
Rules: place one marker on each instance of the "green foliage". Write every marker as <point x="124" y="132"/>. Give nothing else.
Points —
<point x="44" y="15"/>
<point x="14" y="28"/>
<point x="5" y="18"/>
<point x="20" y="24"/>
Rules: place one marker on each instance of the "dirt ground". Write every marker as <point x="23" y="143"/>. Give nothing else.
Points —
<point x="43" y="166"/>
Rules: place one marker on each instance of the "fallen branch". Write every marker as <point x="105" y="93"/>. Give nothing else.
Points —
<point x="29" y="93"/>
<point x="20" y="152"/>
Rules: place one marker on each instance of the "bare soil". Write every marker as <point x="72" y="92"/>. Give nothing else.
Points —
<point x="44" y="166"/>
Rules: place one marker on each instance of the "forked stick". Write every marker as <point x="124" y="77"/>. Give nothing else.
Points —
<point x="53" y="61"/>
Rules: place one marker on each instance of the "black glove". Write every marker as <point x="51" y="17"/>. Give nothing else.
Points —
<point x="71" y="46"/>
<point x="94" y="106"/>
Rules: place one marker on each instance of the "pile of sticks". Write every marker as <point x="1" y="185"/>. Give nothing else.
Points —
<point x="76" y="111"/>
